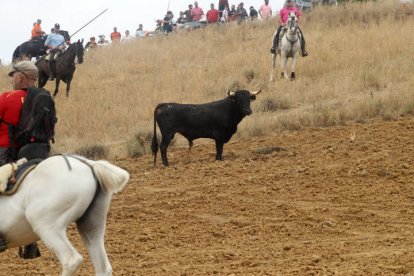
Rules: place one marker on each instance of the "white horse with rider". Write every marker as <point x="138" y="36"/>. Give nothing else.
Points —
<point x="288" y="41"/>
<point x="58" y="191"/>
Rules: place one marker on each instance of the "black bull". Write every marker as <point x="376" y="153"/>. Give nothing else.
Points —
<point x="216" y="120"/>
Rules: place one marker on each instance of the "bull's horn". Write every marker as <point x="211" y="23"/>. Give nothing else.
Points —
<point x="231" y="93"/>
<point x="257" y="92"/>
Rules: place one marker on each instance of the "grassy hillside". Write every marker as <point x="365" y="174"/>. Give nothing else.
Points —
<point x="360" y="67"/>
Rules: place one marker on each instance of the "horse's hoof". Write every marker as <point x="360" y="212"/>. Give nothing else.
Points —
<point x="30" y="251"/>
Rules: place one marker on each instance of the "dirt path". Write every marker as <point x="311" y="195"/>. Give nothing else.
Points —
<point x="337" y="201"/>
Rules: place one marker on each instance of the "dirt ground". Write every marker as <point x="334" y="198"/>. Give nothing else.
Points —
<point x="336" y="201"/>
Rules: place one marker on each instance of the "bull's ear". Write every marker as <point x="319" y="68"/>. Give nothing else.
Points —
<point x="252" y="97"/>
<point x="231" y="93"/>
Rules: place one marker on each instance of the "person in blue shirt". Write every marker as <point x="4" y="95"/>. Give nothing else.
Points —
<point x="55" y="42"/>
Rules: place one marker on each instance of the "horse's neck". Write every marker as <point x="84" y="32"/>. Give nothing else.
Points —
<point x="292" y="35"/>
<point x="69" y="55"/>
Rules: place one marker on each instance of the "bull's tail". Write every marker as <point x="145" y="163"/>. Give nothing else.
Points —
<point x="154" y="143"/>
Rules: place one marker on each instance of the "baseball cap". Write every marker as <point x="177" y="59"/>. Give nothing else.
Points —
<point x="26" y="67"/>
<point x="57" y="25"/>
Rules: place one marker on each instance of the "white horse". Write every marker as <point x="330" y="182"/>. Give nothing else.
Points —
<point x="290" y="46"/>
<point x="59" y="191"/>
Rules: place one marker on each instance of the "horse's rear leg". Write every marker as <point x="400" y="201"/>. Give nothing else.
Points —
<point x="57" y="241"/>
<point x="56" y="87"/>
<point x="284" y="60"/>
<point x="293" y="74"/>
<point x="91" y="227"/>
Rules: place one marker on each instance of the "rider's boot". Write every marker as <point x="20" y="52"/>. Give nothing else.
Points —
<point x="304" y="53"/>
<point x="3" y="245"/>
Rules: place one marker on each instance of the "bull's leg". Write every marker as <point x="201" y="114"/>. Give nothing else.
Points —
<point x="219" y="150"/>
<point x="165" y="141"/>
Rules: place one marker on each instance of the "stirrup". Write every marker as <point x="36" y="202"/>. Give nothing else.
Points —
<point x="273" y="50"/>
<point x="304" y="53"/>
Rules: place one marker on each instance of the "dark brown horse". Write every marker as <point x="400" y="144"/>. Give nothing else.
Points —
<point x="32" y="48"/>
<point x="65" y="67"/>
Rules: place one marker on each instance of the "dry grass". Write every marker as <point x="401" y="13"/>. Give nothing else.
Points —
<point x="360" y="67"/>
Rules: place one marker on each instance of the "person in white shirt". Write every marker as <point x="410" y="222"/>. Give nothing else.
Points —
<point x="127" y="37"/>
<point x="140" y="32"/>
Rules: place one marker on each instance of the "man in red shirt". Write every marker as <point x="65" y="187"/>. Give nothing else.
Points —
<point x="115" y="35"/>
<point x="213" y="15"/>
<point x="24" y="75"/>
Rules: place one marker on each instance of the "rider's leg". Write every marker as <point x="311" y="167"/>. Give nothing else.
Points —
<point x="276" y="40"/>
<point x="302" y="44"/>
<point x="52" y="65"/>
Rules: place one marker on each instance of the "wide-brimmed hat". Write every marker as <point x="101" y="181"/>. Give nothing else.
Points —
<point x="26" y="67"/>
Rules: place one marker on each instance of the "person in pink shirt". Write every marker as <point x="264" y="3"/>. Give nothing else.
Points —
<point x="283" y="19"/>
<point x="265" y="10"/>
<point x="196" y="12"/>
<point x="213" y="15"/>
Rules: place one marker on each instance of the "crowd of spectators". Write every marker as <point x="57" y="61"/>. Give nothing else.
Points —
<point x="193" y="17"/>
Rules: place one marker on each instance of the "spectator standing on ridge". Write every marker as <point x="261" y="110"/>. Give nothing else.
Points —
<point x="168" y="22"/>
<point x="188" y="15"/>
<point x="253" y="13"/>
<point x="102" y="41"/>
<point x="65" y="34"/>
<point x="91" y="44"/>
<point x="222" y="4"/>
<point x="225" y="14"/>
<point x="265" y="10"/>
<point x="24" y="75"/>
<point x="127" y="37"/>
<point x="241" y="13"/>
<point x="283" y="19"/>
<point x="115" y="35"/>
<point x="213" y="15"/>
<point x="181" y="20"/>
<point x="139" y="33"/>
<point x="55" y="42"/>
<point x="197" y="12"/>
<point x="37" y="29"/>
<point x="232" y="13"/>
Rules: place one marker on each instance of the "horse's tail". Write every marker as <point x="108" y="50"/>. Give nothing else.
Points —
<point x="16" y="54"/>
<point x="154" y="142"/>
<point x="111" y="178"/>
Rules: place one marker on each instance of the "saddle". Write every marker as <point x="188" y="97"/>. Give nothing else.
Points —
<point x="59" y="52"/>
<point x="19" y="175"/>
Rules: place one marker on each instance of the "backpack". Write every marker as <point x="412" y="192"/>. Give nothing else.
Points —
<point x="37" y="118"/>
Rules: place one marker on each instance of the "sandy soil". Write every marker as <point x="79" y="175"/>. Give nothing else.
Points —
<point x="337" y="201"/>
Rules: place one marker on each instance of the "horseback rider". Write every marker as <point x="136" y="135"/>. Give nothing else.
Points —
<point x="37" y="30"/>
<point x="64" y="33"/>
<point x="24" y="75"/>
<point x="55" y="42"/>
<point x="283" y="20"/>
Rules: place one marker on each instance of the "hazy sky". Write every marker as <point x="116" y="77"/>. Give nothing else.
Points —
<point x="17" y="16"/>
